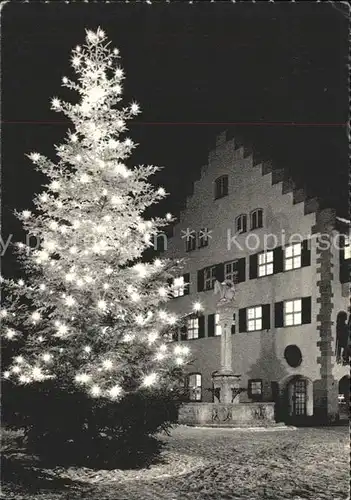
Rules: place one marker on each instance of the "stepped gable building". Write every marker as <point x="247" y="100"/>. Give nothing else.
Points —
<point x="246" y="222"/>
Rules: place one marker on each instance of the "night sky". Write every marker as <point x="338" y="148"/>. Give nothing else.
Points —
<point x="251" y="69"/>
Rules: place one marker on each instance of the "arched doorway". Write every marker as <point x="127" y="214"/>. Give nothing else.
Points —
<point x="298" y="398"/>
<point x="344" y="397"/>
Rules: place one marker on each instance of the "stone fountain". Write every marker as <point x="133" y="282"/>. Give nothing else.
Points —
<point x="227" y="410"/>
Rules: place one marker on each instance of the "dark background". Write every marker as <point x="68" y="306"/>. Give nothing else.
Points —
<point x="195" y="70"/>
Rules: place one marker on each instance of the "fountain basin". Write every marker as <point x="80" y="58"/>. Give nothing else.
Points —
<point x="228" y="414"/>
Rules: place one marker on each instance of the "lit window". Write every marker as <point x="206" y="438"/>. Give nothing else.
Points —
<point x="341" y="398"/>
<point x="347" y="249"/>
<point x="218" y="328"/>
<point x="255" y="389"/>
<point x="254" y="318"/>
<point x="194" y="386"/>
<point x="241" y="224"/>
<point x="230" y="270"/>
<point x="265" y="263"/>
<point x="209" y="277"/>
<point x="293" y="312"/>
<point x="178" y="286"/>
<point x="203" y="237"/>
<point x="233" y="324"/>
<point x="221" y="186"/>
<point x="193" y="328"/>
<point x="293" y="256"/>
<point x="257" y="218"/>
<point x="190" y="242"/>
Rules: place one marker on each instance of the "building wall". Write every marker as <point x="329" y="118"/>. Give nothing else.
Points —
<point x="341" y="304"/>
<point x="257" y="354"/>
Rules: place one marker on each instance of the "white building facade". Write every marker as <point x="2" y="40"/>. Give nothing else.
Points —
<point x="289" y="259"/>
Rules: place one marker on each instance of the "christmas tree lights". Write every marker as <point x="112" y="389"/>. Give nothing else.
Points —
<point x="89" y="312"/>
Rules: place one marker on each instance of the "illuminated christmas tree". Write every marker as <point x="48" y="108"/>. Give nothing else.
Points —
<point x="90" y="313"/>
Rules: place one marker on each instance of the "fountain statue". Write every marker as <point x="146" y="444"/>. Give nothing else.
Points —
<point x="227" y="410"/>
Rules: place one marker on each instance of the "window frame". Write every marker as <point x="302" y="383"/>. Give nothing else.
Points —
<point x="255" y="213"/>
<point x="293" y="256"/>
<point x="233" y="325"/>
<point x="254" y="318"/>
<point x="265" y="264"/>
<point x="233" y="273"/>
<point x="219" y="187"/>
<point x="293" y="313"/>
<point x="347" y="248"/>
<point x="180" y="288"/>
<point x="202" y="240"/>
<point x="195" y="386"/>
<point x="217" y="326"/>
<point x="191" y="327"/>
<point x="251" y="395"/>
<point x="190" y="242"/>
<point x="210" y="279"/>
<point x="242" y="218"/>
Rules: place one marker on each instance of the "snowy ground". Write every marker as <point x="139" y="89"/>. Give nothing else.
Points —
<point x="211" y="464"/>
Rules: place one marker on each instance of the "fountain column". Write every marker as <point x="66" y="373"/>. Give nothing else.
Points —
<point x="225" y="382"/>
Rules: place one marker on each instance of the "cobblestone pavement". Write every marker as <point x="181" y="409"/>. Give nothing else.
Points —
<point x="301" y="464"/>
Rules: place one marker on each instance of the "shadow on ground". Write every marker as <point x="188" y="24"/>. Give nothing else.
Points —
<point x="19" y="473"/>
<point x="305" y="463"/>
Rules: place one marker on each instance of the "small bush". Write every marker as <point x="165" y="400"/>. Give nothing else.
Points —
<point x="67" y="427"/>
